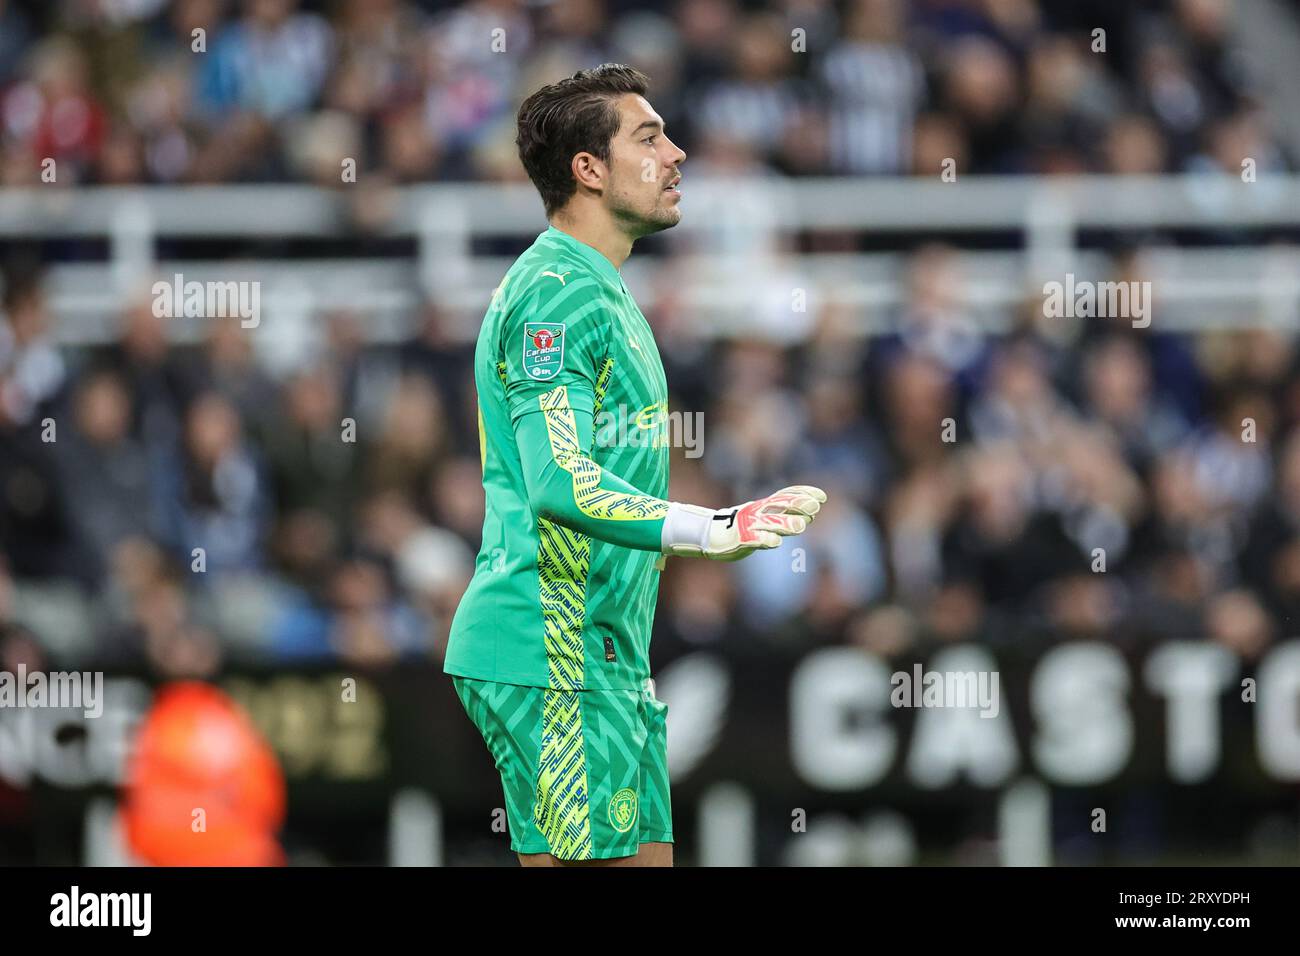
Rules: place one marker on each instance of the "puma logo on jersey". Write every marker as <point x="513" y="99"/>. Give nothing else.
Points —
<point x="558" y="275"/>
<point x="632" y="342"/>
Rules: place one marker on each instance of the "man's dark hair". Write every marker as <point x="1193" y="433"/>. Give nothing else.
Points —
<point x="575" y="115"/>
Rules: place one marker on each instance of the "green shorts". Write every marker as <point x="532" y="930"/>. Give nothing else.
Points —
<point x="585" y="773"/>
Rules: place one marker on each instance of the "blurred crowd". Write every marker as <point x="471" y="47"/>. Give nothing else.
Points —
<point x="181" y="505"/>
<point x="1068" y="479"/>
<point x="178" y="507"/>
<point x="287" y="90"/>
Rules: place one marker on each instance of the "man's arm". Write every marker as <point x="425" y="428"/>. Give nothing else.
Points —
<point x="553" y="342"/>
<point x="565" y="485"/>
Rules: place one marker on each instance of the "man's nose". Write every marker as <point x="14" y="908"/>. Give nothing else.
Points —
<point x="681" y="155"/>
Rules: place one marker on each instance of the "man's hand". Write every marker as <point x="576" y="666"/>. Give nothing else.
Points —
<point x="730" y="534"/>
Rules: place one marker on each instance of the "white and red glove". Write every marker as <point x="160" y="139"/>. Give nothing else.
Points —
<point x="729" y="534"/>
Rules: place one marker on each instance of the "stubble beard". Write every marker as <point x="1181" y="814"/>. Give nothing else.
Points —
<point x="641" y="222"/>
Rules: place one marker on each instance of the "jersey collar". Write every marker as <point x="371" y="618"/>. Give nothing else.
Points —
<point x="590" y="254"/>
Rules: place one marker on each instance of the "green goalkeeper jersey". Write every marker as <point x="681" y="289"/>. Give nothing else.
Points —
<point x="573" y="411"/>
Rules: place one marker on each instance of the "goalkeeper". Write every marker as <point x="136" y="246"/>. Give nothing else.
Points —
<point x="549" y="646"/>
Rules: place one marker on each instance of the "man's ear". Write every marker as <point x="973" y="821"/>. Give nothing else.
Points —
<point x="589" y="171"/>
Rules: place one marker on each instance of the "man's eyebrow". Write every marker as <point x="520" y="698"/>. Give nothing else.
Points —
<point x="654" y="124"/>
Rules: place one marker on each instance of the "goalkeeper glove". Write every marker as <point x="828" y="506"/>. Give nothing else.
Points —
<point x="729" y="534"/>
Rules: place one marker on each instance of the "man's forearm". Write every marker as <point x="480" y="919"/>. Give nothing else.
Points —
<point x="565" y="485"/>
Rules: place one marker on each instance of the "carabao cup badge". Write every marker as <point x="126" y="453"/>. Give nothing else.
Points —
<point x="543" y="349"/>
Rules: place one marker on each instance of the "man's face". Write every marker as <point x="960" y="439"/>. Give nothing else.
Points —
<point x="643" y="173"/>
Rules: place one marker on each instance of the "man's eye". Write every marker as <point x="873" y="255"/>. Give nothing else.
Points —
<point x="648" y="139"/>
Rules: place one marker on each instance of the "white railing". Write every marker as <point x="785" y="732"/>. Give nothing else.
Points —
<point x="731" y="238"/>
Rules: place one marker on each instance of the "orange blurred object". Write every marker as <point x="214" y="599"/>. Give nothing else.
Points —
<point x="197" y="750"/>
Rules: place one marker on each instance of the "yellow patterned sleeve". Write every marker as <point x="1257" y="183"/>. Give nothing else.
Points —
<point x="567" y="486"/>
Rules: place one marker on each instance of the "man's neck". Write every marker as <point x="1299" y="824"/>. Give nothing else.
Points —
<point x="603" y="237"/>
